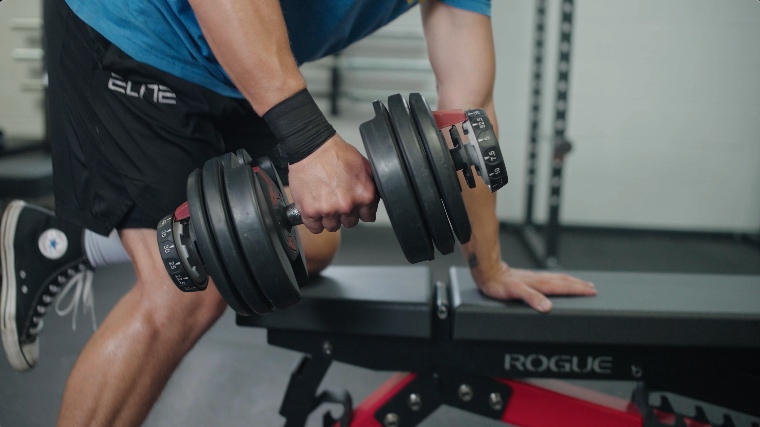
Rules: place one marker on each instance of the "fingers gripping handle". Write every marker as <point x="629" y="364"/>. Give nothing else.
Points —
<point x="482" y="151"/>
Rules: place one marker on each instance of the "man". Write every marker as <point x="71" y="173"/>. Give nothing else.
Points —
<point x="142" y="93"/>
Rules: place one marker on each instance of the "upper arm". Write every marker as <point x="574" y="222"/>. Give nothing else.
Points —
<point x="250" y="40"/>
<point x="461" y="50"/>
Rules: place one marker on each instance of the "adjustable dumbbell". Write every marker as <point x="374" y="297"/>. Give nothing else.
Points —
<point x="238" y="227"/>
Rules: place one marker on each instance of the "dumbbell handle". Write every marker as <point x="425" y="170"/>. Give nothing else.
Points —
<point x="293" y="214"/>
<point x="444" y="119"/>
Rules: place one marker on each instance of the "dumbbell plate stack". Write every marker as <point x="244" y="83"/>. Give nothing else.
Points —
<point x="288" y="232"/>
<point x="238" y="228"/>
<point x="253" y="202"/>
<point x="421" y="175"/>
<point x="443" y="167"/>
<point x="207" y="247"/>
<point x="393" y="184"/>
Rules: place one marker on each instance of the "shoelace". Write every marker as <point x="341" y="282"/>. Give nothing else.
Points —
<point x="81" y="282"/>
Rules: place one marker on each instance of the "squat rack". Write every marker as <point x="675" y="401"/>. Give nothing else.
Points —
<point x="544" y="247"/>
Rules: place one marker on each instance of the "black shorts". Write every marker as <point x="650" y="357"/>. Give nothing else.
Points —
<point x="125" y="135"/>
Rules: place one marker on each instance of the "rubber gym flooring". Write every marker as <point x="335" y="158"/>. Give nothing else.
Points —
<point x="233" y="378"/>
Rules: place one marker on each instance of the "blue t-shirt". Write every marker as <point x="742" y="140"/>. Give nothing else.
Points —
<point x="166" y="34"/>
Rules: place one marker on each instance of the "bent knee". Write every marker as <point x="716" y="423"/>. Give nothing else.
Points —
<point x="166" y="304"/>
<point x="157" y="295"/>
<point x="319" y="249"/>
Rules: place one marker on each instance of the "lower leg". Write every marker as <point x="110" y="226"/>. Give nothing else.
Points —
<point x="319" y="249"/>
<point x="125" y="365"/>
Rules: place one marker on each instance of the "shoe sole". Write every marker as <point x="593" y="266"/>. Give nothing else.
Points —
<point x="21" y="357"/>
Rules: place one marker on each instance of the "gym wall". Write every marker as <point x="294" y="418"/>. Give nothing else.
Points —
<point x="663" y="112"/>
<point x="21" y="69"/>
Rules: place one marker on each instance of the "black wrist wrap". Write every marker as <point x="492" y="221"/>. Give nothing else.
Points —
<point x="299" y="126"/>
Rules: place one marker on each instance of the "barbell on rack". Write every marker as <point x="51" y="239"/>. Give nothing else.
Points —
<point x="238" y="228"/>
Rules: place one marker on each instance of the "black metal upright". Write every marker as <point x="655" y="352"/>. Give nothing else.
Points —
<point x="545" y="248"/>
<point x="535" y="109"/>
<point x="561" y="144"/>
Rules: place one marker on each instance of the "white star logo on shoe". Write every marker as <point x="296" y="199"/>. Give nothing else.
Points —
<point x="53" y="243"/>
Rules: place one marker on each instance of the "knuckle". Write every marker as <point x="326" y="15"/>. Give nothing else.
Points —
<point x="368" y="198"/>
<point x="345" y="207"/>
<point x="309" y="213"/>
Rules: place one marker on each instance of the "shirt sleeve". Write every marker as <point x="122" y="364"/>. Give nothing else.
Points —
<point x="478" y="6"/>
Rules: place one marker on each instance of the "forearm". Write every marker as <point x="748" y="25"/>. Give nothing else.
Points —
<point x="465" y="80"/>
<point x="250" y="40"/>
<point x="482" y="253"/>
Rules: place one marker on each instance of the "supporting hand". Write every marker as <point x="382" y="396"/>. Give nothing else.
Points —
<point x="531" y="286"/>
<point x="333" y="186"/>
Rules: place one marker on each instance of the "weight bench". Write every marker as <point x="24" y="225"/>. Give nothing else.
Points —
<point x="696" y="336"/>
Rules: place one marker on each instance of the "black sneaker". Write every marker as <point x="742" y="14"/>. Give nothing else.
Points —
<point x="39" y="257"/>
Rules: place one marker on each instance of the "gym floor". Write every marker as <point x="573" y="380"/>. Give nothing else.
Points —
<point x="233" y="378"/>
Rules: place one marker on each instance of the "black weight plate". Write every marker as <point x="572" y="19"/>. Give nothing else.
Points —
<point x="296" y="257"/>
<point x="286" y="231"/>
<point x="279" y="228"/>
<point x="421" y="175"/>
<point x="257" y="232"/>
<point x="266" y="165"/>
<point x="206" y="246"/>
<point x="243" y="157"/>
<point x="223" y="231"/>
<point x="394" y="187"/>
<point x="299" y="267"/>
<point x="442" y="165"/>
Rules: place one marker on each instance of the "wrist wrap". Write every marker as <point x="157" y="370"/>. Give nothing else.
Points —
<point x="299" y="126"/>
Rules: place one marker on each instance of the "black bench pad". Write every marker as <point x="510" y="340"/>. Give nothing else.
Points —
<point x="390" y="301"/>
<point x="630" y="309"/>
